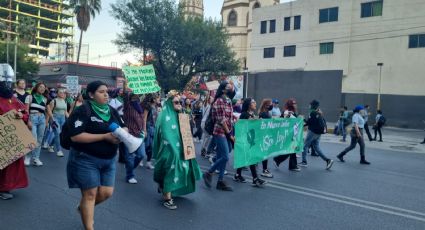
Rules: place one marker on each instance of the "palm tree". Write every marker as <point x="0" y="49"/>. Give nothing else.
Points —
<point x="84" y="10"/>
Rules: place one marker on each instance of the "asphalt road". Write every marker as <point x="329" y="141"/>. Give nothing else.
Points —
<point x="389" y="194"/>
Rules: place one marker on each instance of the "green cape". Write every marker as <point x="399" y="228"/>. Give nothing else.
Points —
<point x="175" y="174"/>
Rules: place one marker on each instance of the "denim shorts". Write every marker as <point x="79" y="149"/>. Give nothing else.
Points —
<point x="85" y="171"/>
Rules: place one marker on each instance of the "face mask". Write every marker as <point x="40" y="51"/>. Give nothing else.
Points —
<point x="271" y="107"/>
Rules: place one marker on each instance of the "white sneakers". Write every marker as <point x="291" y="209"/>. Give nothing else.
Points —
<point x="37" y="162"/>
<point x="50" y="149"/>
<point x="149" y="165"/>
<point x="60" y="154"/>
<point x="132" y="181"/>
<point x="27" y="161"/>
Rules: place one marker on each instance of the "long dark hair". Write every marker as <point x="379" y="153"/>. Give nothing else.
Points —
<point x="220" y="90"/>
<point x="246" y="104"/>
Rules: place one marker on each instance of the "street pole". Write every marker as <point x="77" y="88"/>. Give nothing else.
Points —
<point x="246" y="81"/>
<point x="379" y="86"/>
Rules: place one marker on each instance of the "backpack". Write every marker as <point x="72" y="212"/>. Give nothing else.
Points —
<point x="65" y="137"/>
<point x="209" y="122"/>
<point x="322" y="125"/>
<point x="382" y="120"/>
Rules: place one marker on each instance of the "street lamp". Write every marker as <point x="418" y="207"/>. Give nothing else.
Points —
<point x="245" y="70"/>
<point x="380" y="64"/>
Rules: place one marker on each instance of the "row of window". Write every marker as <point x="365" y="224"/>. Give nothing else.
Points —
<point x="290" y="51"/>
<point x="368" y="9"/>
<point x="415" y="41"/>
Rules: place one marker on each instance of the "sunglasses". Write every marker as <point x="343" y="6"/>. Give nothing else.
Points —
<point x="177" y="102"/>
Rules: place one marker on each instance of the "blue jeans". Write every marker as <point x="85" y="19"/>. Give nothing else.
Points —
<point x="149" y="141"/>
<point x="132" y="160"/>
<point x="48" y="136"/>
<point x="60" y="120"/>
<point x="313" y="139"/>
<point x="341" y="129"/>
<point x="223" y="149"/>
<point x="38" y="126"/>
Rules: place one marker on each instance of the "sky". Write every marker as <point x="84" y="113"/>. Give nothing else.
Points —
<point x="104" y="29"/>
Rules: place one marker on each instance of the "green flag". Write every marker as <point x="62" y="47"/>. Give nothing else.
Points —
<point x="257" y="140"/>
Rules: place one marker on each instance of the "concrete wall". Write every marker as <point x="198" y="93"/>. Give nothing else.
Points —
<point x="304" y="86"/>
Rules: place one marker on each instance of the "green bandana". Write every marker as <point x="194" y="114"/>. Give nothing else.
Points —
<point x="38" y="98"/>
<point x="120" y="99"/>
<point x="102" y="110"/>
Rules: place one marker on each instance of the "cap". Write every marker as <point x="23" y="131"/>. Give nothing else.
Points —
<point x="275" y="101"/>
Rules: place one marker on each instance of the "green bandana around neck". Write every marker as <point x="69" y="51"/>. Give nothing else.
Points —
<point x="102" y="110"/>
<point x="120" y="99"/>
<point x="38" y="98"/>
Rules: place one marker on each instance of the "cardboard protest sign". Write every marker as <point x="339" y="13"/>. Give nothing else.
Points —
<point x="15" y="139"/>
<point x="141" y="79"/>
<point x="72" y="85"/>
<point x="187" y="138"/>
<point x="257" y="140"/>
<point x="212" y="85"/>
<point x="238" y="84"/>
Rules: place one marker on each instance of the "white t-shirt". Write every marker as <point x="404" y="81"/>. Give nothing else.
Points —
<point x="358" y="119"/>
<point x="116" y="104"/>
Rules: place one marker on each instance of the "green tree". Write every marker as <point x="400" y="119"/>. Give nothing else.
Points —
<point x="26" y="29"/>
<point x="180" y="48"/>
<point x="27" y="66"/>
<point x="84" y="10"/>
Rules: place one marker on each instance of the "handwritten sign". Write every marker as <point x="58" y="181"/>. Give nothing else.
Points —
<point x="72" y="85"/>
<point x="212" y="85"/>
<point x="257" y="140"/>
<point x="141" y="79"/>
<point x="15" y="139"/>
<point x="188" y="146"/>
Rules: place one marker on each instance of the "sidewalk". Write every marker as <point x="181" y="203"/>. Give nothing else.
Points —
<point x="406" y="140"/>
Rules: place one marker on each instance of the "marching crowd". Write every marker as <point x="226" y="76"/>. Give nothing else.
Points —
<point x="54" y="115"/>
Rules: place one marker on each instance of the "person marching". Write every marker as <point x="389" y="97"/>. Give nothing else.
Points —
<point x="379" y="123"/>
<point x="14" y="176"/>
<point x="265" y="113"/>
<point x="290" y="112"/>
<point x="222" y="115"/>
<point x="91" y="163"/>
<point x="58" y="108"/>
<point x="39" y="120"/>
<point x="248" y="108"/>
<point x="175" y="175"/>
<point x="77" y="103"/>
<point x="150" y="103"/>
<point x="316" y="127"/>
<point x="356" y="136"/>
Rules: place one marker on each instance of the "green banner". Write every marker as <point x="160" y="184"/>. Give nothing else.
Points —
<point x="141" y="79"/>
<point x="257" y="140"/>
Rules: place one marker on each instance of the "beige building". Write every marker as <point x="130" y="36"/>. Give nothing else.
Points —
<point x="193" y="8"/>
<point x="237" y="18"/>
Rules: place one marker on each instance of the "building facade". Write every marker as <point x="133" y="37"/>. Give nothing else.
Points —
<point x="193" y="8"/>
<point x="378" y="44"/>
<point x="54" y="22"/>
<point x="237" y="19"/>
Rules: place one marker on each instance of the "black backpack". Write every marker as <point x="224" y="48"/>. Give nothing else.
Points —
<point x="65" y="137"/>
<point x="382" y="120"/>
<point x="209" y="123"/>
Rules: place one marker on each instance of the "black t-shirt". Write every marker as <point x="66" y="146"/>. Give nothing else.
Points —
<point x="80" y="122"/>
<point x="265" y="115"/>
<point x="246" y="115"/>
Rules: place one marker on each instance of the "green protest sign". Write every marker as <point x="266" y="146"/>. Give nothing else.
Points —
<point x="141" y="79"/>
<point x="257" y="140"/>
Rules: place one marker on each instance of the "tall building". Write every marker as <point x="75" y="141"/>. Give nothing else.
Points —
<point x="379" y="45"/>
<point x="237" y="19"/>
<point x="193" y="8"/>
<point x="54" y="22"/>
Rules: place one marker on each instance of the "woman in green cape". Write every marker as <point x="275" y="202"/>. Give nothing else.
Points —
<point x="174" y="175"/>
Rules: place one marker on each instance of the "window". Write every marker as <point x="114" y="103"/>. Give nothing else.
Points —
<point x="268" y="52"/>
<point x="232" y="19"/>
<point x="417" y="41"/>
<point x="328" y="15"/>
<point x="327" y="48"/>
<point x="263" y="27"/>
<point x="297" y="22"/>
<point x="272" y="26"/>
<point x="287" y="24"/>
<point x="289" y="51"/>
<point x="371" y="9"/>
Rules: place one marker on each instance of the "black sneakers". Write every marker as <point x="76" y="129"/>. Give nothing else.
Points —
<point x="329" y="164"/>
<point x="170" y="204"/>
<point x="223" y="186"/>
<point x="239" y="178"/>
<point x="364" y="162"/>
<point x="340" y="158"/>
<point x="257" y="182"/>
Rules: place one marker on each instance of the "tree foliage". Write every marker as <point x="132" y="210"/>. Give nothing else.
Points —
<point x="181" y="48"/>
<point x="26" y="65"/>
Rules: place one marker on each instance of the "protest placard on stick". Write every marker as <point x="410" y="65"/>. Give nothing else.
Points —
<point x="15" y="139"/>
<point x="212" y="85"/>
<point x="188" y="145"/>
<point x="141" y="79"/>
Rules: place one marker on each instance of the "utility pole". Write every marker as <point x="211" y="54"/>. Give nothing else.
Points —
<point x="380" y="64"/>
